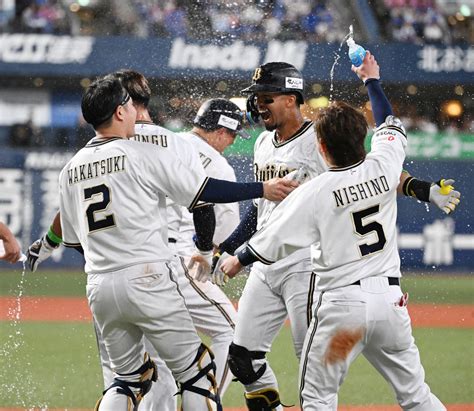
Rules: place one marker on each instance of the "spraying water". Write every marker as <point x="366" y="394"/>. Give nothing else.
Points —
<point x="337" y="56"/>
<point x="12" y="348"/>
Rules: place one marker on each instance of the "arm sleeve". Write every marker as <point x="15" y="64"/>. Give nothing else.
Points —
<point x="223" y="191"/>
<point x="291" y="226"/>
<point x="245" y="230"/>
<point x="381" y="107"/>
<point x="204" y="224"/>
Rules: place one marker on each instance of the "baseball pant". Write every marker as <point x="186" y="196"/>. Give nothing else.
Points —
<point x="213" y="314"/>
<point x="263" y="311"/>
<point x="144" y="300"/>
<point x="372" y="319"/>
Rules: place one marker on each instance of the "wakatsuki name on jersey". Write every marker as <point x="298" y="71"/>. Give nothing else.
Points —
<point x="367" y="189"/>
<point x="96" y="169"/>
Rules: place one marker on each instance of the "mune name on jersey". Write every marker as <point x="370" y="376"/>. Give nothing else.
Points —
<point x="361" y="191"/>
<point x="270" y="171"/>
<point x="158" y="139"/>
<point x="96" y="169"/>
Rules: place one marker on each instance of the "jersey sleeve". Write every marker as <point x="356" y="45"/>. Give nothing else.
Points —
<point x="167" y="173"/>
<point x="388" y="146"/>
<point x="291" y="226"/>
<point x="69" y="236"/>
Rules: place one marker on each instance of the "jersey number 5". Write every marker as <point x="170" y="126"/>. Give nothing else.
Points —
<point x="363" y="230"/>
<point x="108" y="220"/>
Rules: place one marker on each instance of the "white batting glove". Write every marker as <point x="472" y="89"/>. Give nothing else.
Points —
<point x="202" y="260"/>
<point x="444" y="196"/>
<point x="218" y="276"/>
<point x="39" y="251"/>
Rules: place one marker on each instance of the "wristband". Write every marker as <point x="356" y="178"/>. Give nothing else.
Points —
<point x="245" y="257"/>
<point x="52" y="238"/>
<point x="419" y="189"/>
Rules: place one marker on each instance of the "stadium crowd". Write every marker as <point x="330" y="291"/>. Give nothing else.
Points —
<point x="418" y="21"/>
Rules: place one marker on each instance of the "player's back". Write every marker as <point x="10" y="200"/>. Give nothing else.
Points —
<point x="227" y="215"/>
<point x="355" y="213"/>
<point x="347" y="215"/>
<point x="113" y="202"/>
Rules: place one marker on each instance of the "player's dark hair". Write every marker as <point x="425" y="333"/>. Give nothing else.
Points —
<point x="136" y="84"/>
<point x="101" y="99"/>
<point x="342" y="128"/>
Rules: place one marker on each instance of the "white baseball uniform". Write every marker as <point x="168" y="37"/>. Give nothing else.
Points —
<point x="285" y="289"/>
<point x="348" y="216"/>
<point x="212" y="312"/>
<point x="112" y="203"/>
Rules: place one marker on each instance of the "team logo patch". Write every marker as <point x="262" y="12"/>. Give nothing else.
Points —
<point x="294" y="83"/>
<point x="391" y="138"/>
<point x="257" y="74"/>
<point x="228" y="122"/>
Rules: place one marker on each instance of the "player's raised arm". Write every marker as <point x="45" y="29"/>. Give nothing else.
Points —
<point x="440" y="193"/>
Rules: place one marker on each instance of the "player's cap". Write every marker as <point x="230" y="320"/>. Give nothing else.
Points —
<point x="277" y="77"/>
<point x="219" y="112"/>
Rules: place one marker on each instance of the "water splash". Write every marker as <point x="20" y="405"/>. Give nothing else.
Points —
<point x="20" y="388"/>
<point x="337" y="56"/>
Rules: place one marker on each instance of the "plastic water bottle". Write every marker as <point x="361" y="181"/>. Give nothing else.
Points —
<point x="356" y="52"/>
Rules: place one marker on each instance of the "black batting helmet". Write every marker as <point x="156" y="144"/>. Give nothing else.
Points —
<point x="277" y="77"/>
<point x="219" y="112"/>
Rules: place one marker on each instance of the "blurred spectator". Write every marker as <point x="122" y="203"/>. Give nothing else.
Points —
<point x="21" y="135"/>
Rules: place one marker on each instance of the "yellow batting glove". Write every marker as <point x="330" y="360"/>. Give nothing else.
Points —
<point x="444" y="195"/>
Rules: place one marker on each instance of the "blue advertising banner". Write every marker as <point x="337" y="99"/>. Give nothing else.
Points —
<point x="428" y="239"/>
<point x="178" y="58"/>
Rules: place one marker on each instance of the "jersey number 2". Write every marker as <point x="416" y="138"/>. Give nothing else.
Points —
<point x="363" y="230"/>
<point x="108" y="220"/>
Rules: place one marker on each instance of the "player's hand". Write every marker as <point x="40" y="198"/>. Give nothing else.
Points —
<point x="231" y="267"/>
<point x="218" y="277"/>
<point x="277" y="189"/>
<point x="37" y="252"/>
<point x="202" y="260"/>
<point x="12" y="251"/>
<point x="444" y="195"/>
<point x="368" y="69"/>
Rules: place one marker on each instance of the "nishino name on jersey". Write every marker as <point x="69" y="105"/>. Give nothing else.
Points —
<point x="96" y="169"/>
<point x="367" y="189"/>
<point x="270" y="171"/>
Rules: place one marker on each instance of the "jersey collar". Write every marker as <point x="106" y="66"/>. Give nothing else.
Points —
<point x="97" y="141"/>
<point x="306" y="125"/>
<point x="347" y="167"/>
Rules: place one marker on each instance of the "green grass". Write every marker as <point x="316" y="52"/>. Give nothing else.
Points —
<point x="56" y="365"/>
<point x="422" y="288"/>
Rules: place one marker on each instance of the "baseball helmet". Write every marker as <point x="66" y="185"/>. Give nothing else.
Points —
<point x="219" y="112"/>
<point x="277" y="77"/>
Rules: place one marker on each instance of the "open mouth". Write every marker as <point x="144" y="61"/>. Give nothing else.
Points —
<point x="265" y="115"/>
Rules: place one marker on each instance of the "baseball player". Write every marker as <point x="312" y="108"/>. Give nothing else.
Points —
<point x="112" y="194"/>
<point x="162" y="397"/>
<point x="286" y="288"/>
<point x="216" y="126"/>
<point x="348" y="217"/>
